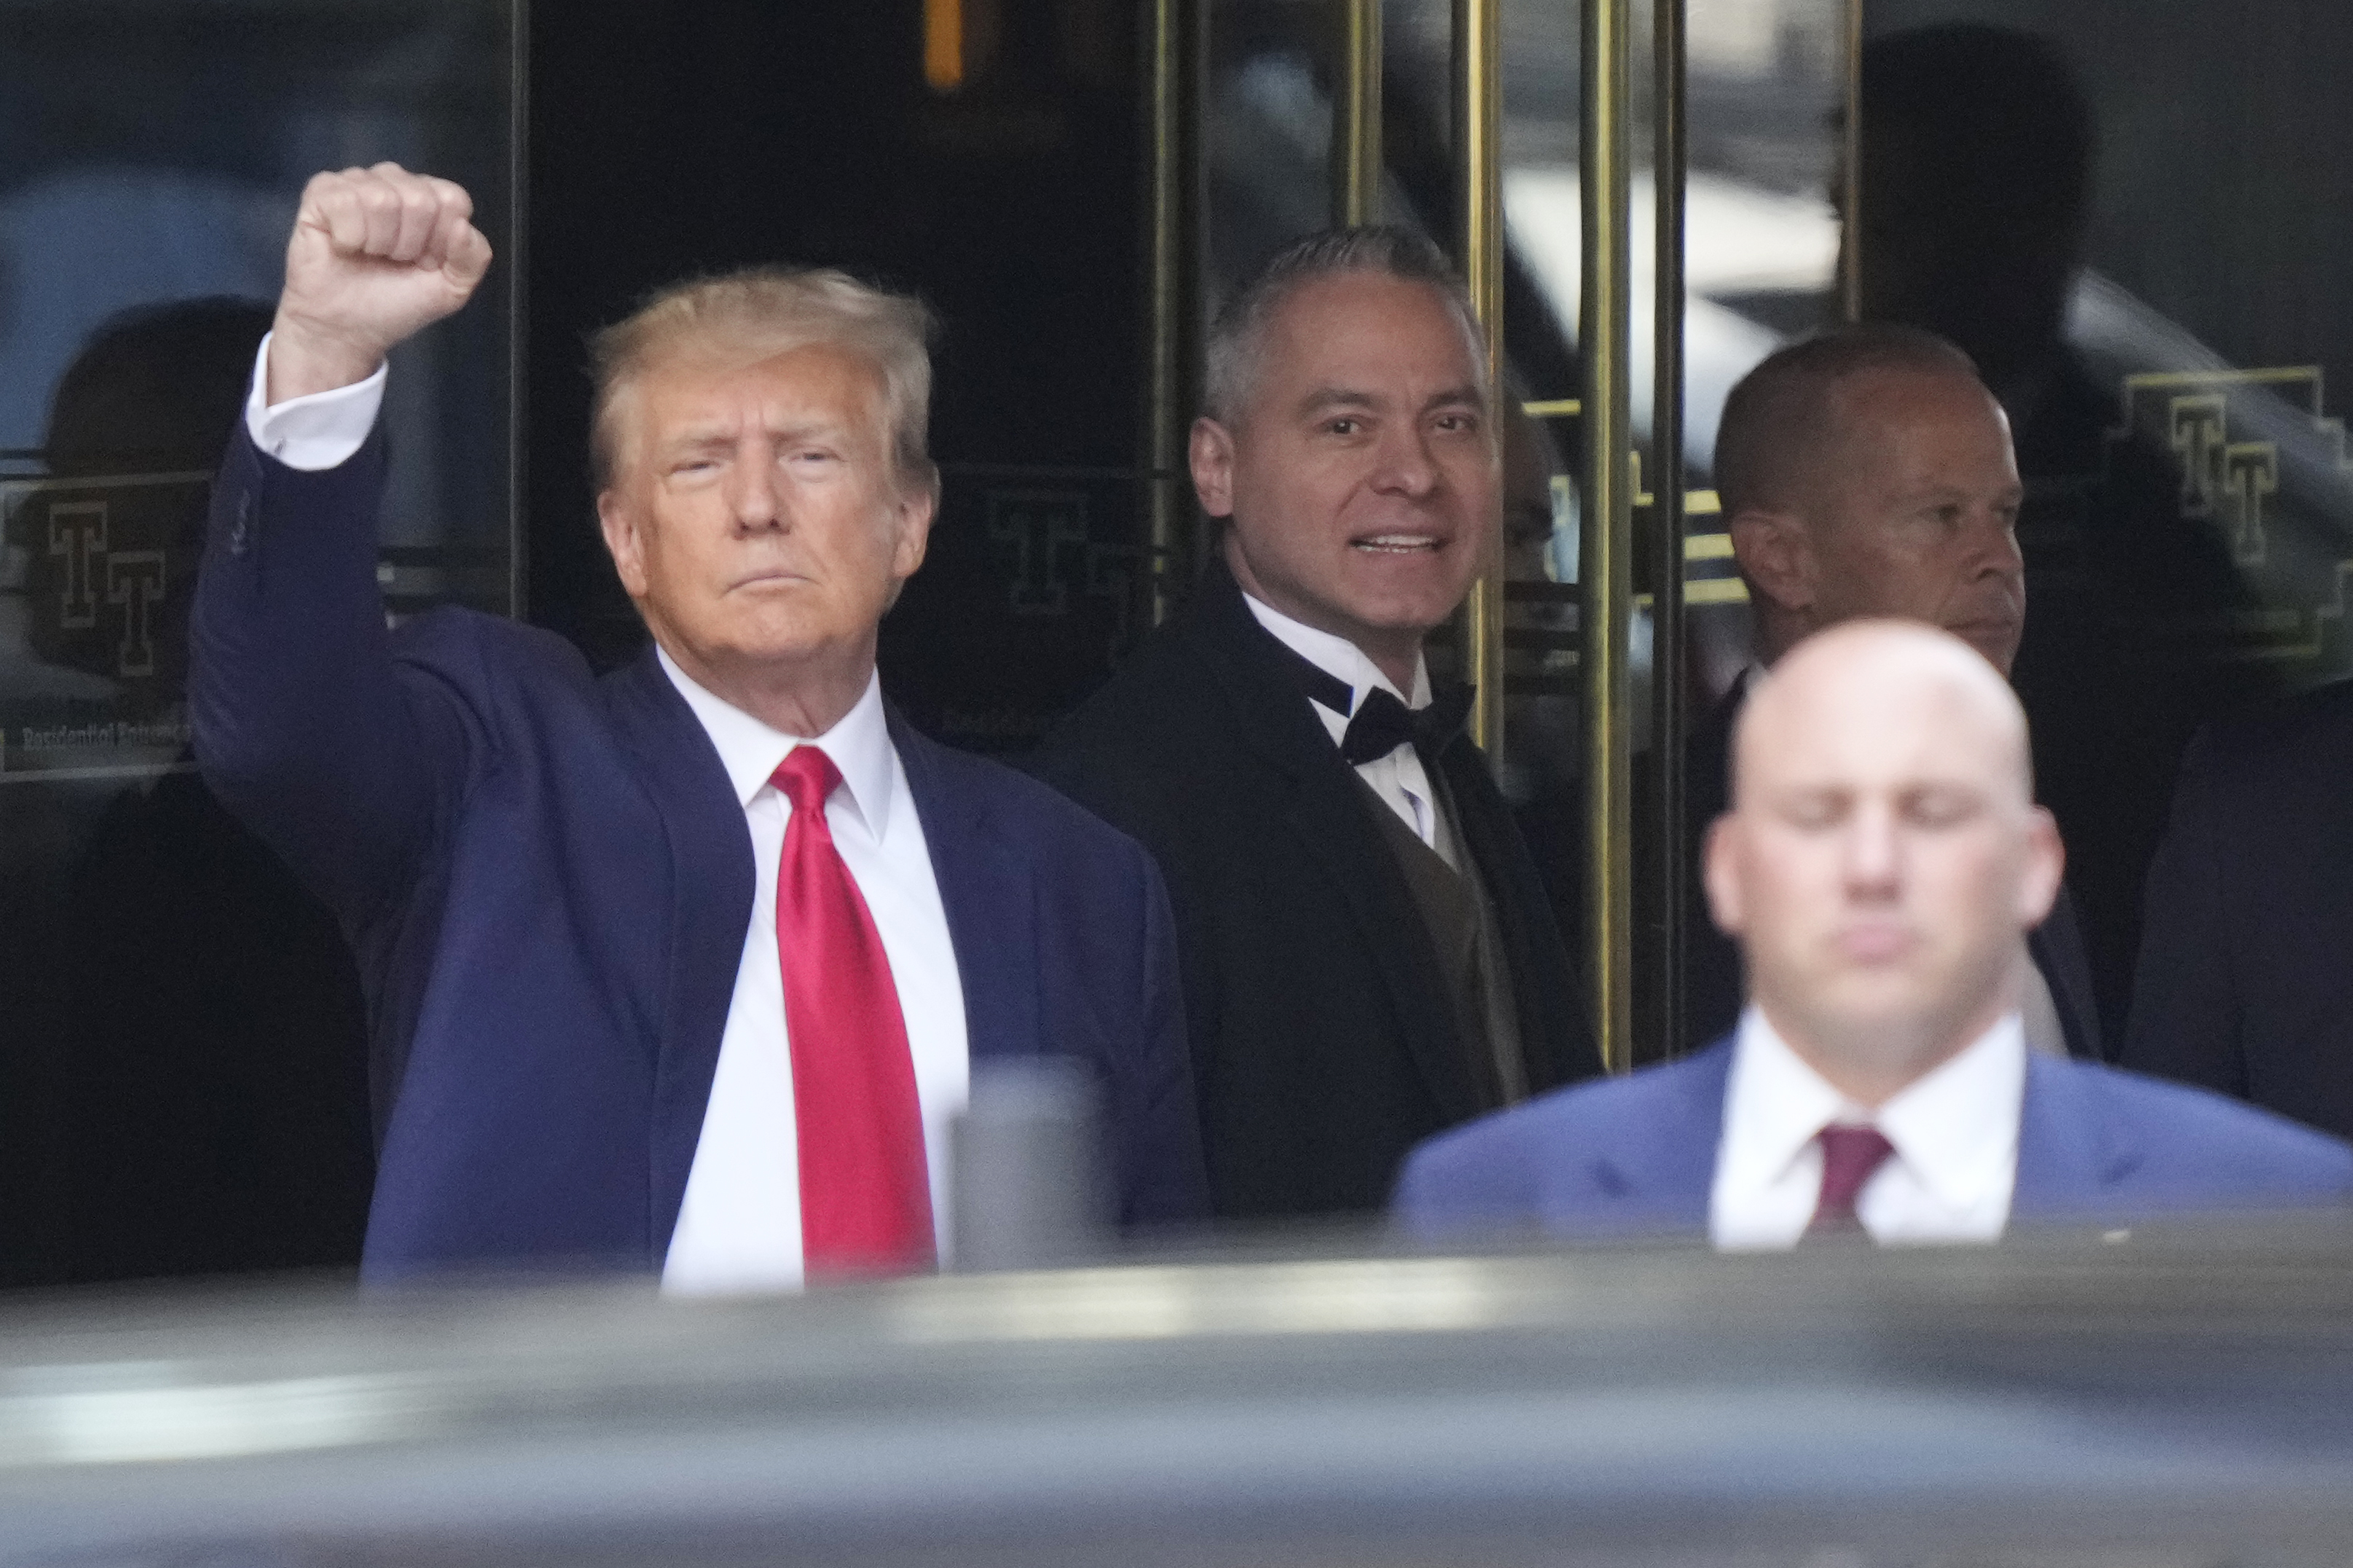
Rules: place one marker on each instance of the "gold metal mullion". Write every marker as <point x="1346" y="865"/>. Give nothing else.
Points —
<point x="1609" y="528"/>
<point x="1849" y="281"/>
<point x="1170" y="45"/>
<point x="1668" y="156"/>
<point x="1479" y="142"/>
<point x="1357" y="128"/>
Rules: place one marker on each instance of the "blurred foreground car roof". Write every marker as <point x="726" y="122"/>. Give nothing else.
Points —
<point x="2149" y="1398"/>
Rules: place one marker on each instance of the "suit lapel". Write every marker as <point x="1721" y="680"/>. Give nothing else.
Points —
<point x="2070" y="1150"/>
<point x="1660" y="1164"/>
<point x="1326" y="810"/>
<point x="986" y="889"/>
<point x="711" y="884"/>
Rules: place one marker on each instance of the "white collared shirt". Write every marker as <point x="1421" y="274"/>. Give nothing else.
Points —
<point x="739" y="1227"/>
<point x="1954" y="1133"/>
<point x="1399" y="778"/>
<point x="318" y="431"/>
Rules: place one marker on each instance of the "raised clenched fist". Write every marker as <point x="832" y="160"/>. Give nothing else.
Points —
<point x="376" y="255"/>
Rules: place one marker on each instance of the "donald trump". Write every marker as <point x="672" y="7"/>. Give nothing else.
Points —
<point x="681" y="970"/>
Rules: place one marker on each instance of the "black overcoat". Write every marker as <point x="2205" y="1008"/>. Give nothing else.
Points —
<point x="1325" y="1041"/>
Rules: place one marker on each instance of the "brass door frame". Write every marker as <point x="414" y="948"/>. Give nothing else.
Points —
<point x="1607" y="533"/>
<point x="1175" y="45"/>
<point x="1850" y="277"/>
<point x="1479" y="146"/>
<point x="1357" y="126"/>
<point x="1610" y="549"/>
<point x="1665" y="554"/>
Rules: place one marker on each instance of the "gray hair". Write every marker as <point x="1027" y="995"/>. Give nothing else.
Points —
<point x="741" y="318"/>
<point x="1238" y="332"/>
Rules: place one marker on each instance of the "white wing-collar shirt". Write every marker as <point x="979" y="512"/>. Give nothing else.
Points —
<point x="739" y="1227"/>
<point x="1399" y="779"/>
<point x="1955" y="1134"/>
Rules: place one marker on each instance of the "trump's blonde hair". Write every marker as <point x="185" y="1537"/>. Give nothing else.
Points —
<point x="744" y="317"/>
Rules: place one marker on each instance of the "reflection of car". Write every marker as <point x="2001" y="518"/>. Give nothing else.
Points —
<point x="91" y="240"/>
<point x="1740" y="241"/>
<point x="1758" y="267"/>
<point x="2138" y="1398"/>
<point x="2259" y="452"/>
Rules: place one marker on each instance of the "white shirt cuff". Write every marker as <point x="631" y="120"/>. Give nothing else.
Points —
<point x="318" y="431"/>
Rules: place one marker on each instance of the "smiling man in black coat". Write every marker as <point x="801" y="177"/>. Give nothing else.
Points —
<point x="1368" y="955"/>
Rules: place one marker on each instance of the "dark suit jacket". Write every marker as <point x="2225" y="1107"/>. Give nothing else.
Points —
<point x="1637" y="1155"/>
<point x="546" y="880"/>
<point x="1713" y="986"/>
<point x="1325" y="1041"/>
<point x="2245" y="981"/>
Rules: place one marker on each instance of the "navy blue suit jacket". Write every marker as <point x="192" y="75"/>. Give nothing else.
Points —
<point x="546" y="878"/>
<point x="1637" y="1155"/>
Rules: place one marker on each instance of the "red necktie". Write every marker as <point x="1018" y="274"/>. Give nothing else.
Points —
<point x="1849" y="1155"/>
<point x="866" y="1196"/>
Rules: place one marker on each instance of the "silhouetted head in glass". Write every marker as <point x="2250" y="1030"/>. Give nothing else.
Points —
<point x="156" y="388"/>
<point x="1976" y="150"/>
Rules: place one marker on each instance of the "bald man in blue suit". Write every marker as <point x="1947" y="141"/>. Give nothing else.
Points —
<point x="1880" y="858"/>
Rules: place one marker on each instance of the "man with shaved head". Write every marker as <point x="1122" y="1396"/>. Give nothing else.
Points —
<point x="1866" y="472"/>
<point x="1883" y="854"/>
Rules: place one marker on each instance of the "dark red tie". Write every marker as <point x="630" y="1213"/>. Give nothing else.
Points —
<point x="1849" y="1155"/>
<point x="866" y="1195"/>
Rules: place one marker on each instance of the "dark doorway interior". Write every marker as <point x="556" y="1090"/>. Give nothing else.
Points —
<point x="667" y="142"/>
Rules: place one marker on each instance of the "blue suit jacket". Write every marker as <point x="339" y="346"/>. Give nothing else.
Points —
<point x="546" y="880"/>
<point x="1637" y="1155"/>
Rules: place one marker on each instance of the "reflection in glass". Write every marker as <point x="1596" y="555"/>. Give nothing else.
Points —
<point x="181" y="1070"/>
<point x="2143" y="287"/>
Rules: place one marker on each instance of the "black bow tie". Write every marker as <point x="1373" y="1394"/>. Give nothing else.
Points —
<point x="1381" y="723"/>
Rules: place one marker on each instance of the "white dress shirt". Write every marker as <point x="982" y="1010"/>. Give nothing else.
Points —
<point x="319" y="431"/>
<point x="1399" y="778"/>
<point x="1955" y="1134"/>
<point x="740" y="1226"/>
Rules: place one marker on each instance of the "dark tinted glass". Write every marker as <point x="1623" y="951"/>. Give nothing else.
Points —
<point x="179" y="1066"/>
<point x="2152" y="278"/>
